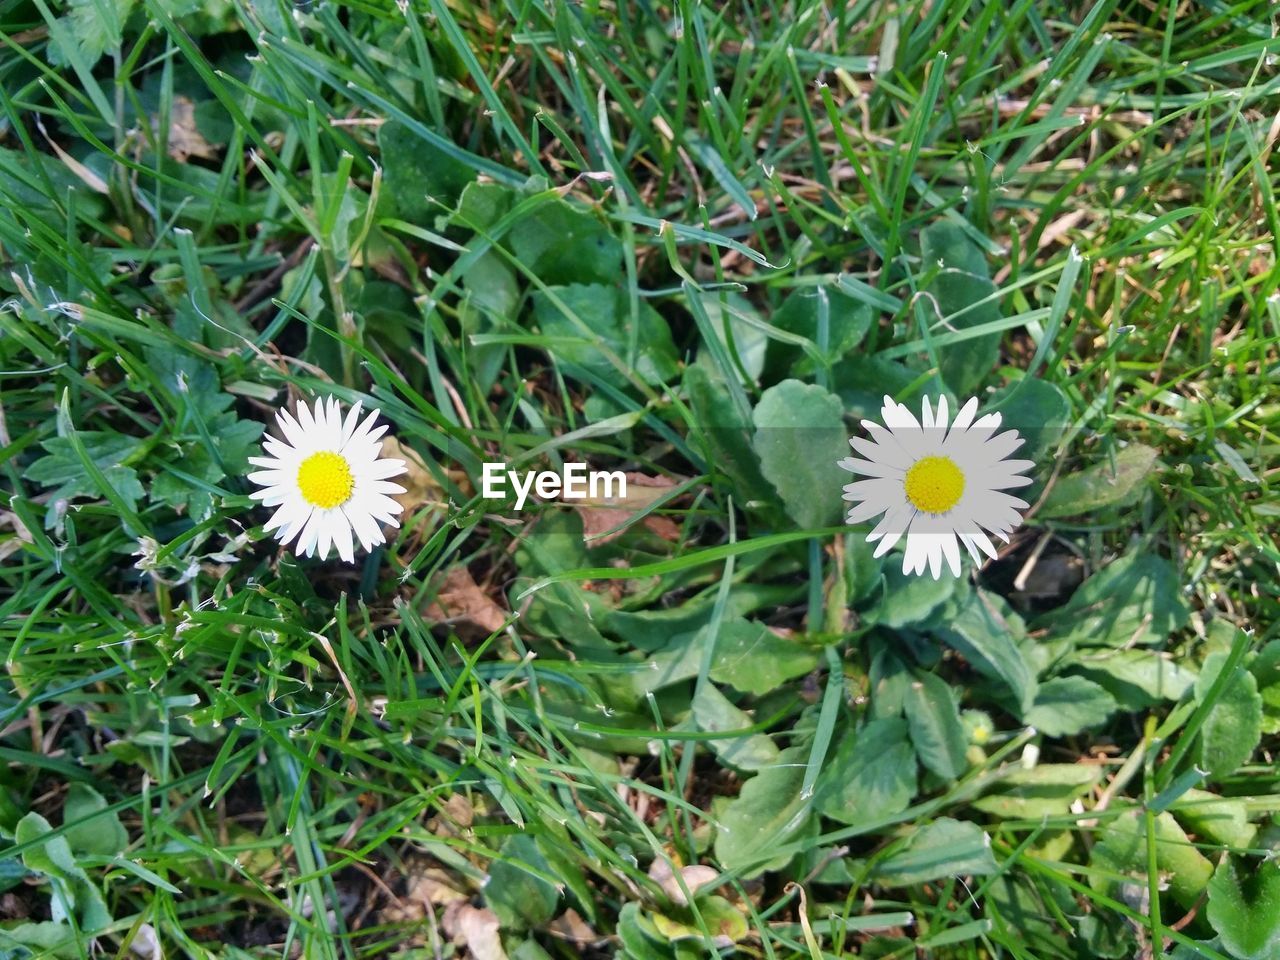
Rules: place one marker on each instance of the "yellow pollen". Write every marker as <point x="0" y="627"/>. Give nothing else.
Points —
<point x="934" y="484"/>
<point x="325" y="480"/>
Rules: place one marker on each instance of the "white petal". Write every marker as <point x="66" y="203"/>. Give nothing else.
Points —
<point x="940" y="419"/>
<point x="865" y="511"/>
<point x="869" y="468"/>
<point x="349" y="425"/>
<point x="342" y="540"/>
<point x="951" y="550"/>
<point x="964" y="419"/>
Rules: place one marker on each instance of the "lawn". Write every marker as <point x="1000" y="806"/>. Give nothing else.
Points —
<point x="696" y="245"/>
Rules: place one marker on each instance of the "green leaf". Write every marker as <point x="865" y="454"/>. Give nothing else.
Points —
<point x="910" y="600"/>
<point x="863" y="381"/>
<point x="1137" y="678"/>
<point x="800" y="434"/>
<point x="482" y="205"/>
<point x="769" y="811"/>
<point x="1122" y="849"/>
<point x="1037" y="409"/>
<point x="96" y="25"/>
<point x="752" y="658"/>
<point x="415" y="169"/>
<point x="1233" y="728"/>
<point x="742" y="342"/>
<point x="889" y="678"/>
<point x="44" y="939"/>
<point x="713" y="712"/>
<point x="872" y="774"/>
<point x="943" y="848"/>
<point x="102" y="834"/>
<point x="983" y="633"/>
<point x="1045" y="790"/>
<point x="54" y="859"/>
<point x="1132" y="601"/>
<point x="519" y="898"/>
<point x="563" y="244"/>
<point x="1069" y="705"/>
<point x="724" y="435"/>
<point x="492" y="290"/>
<point x="1222" y="820"/>
<point x="935" y="726"/>
<point x="639" y="936"/>
<point x="1098" y="486"/>
<point x="848" y="321"/>
<point x="722" y="918"/>
<point x="606" y="313"/>
<point x="1244" y="908"/>
<point x="962" y="280"/>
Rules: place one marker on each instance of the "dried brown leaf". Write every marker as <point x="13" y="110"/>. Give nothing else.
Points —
<point x="420" y="486"/>
<point x="695" y="876"/>
<point x="570" y="926"/>
<point x="475" y="927"/>
<point x="601" y="516"/>
<point x="461" y="599"/>
<point x="185" y="138"/>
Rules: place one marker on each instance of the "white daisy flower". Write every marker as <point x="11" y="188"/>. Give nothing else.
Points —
<point x="936" y="485"/>
<point x="327" y="480"/>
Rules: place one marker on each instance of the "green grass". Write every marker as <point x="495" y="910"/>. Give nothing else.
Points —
<point x="781" y="212"/>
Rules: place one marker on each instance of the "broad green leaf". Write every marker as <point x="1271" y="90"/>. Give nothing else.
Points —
<point x="942" y="848"/>
<point x="565" y="244"/>
<point x="713" y="713"/>
<point x="725" y="921"/>
<point x="934" y="722"/>
<point x="518" y="897"/>
<point x="1043" y="790"/>
<point x="847" y="323"/>
<point x="492" y="290"/>
<point x="911" y="600"/>
<point x="1233" y="728"/>
<point x="1244" y="908"/>
<point x="1069" y="705"/>
<point x="1134" y="600"/>
<point x="112" y="453"/>
<point x="1099" y="486"/>
<point x="415" y="170"/>
<point x="871" y="775"/>
<point x="102" y="833"/>
<point x="482" y="205"/>
<point x="979" y="629"/>
<point x="769" y="811"/>
<point x="43" y="939"/>
<point x="97" y="27"/>
<point x="1136" y="678"/>
<point x="1222" y="820"/>
<point x="639" y="936"/>
<point x="54" y="859"/>
<point x="889" y="678"/>
<point x="1122" y="849"/>
<point x="752" y="658"/>
<point x="1037" y="409"/>
<point x="863" y="381"/>
<point x="800" y="434"/>
<point x="962" y="280"/>
<point x="606" y="313"/>
<point x="723" y="435"/>
<point x="744" y="343"/>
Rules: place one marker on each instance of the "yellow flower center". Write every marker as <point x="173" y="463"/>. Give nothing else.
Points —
<point x="934" y="484"/>
<point x="325" y="480"/>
